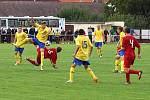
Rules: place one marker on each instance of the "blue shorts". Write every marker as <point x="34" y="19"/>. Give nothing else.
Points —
<point x="37" y="42"/>
<point x="20" y="50"/>
<point x="80" y="62"/>
<point x="98" y="44"/>
<point x="121" y="53"/>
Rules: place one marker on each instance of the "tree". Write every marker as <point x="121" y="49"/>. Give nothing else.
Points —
<point x="133" y="7"/>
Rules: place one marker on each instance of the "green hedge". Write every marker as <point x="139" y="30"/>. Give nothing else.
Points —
<point x="80" y="15"/>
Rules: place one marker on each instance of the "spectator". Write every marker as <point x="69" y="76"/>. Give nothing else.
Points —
<point x="25" y="30"/>
<point x="112" y="33"/>
<point x="51" y="34"/>
<point x="3" y="35"/>
<point x="90" y="33"/>
<point x="62" y="36"/>
<point x="76" y="33"/>
<point x="105" y="35"/>
<point x="14" y="31"/>
<point x="69" y="36"/>
<point x="116" y="37"/>
<point x="8" y="36"/>
<point x="57" y="34"/>
<point x="32" y="32"/>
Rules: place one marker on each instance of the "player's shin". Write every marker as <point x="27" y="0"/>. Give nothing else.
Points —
<point x="122" y="65"/>
<point x="127" y="77"/>
<point x="98" y="52"/>
<point x="72" y="70"/>
<point x="16" y="57"/>
<point x="91" y="73"/>
<point x="42" y="59"/>
<point x="116" y="64"/>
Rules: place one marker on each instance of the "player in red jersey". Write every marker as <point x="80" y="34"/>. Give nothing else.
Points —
<point x="129" y="44"/>
<point x="49" y="53"/>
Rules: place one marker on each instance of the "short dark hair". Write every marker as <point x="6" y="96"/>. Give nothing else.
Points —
<point x="43" y="22"/>
<point x="81" y="32"/>
<point x="127" y="30"/>
<point x="59" y="49"/>
<point x="120" y="28"/>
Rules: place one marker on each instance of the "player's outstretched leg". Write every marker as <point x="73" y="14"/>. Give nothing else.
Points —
<point x="71" y="74"/>
<point x="32" y="61"/>
<point x="138" y="72"/>
<point x="91" y="73"/>
<point x="23" y="42"/>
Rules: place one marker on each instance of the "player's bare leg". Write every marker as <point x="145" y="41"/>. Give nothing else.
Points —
<point x="91" y="73"/>
<point x="71" y="74"/>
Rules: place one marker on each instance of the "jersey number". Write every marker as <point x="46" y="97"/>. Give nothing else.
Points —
<point x="131" y="42"/>
<point x="84" y="44"/>
<point x="49" y="51"/>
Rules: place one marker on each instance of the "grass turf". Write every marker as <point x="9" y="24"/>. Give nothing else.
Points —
<point x="26" y="82"/>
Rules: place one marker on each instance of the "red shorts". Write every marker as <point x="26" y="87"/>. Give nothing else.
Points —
<point x="128" y="61"/>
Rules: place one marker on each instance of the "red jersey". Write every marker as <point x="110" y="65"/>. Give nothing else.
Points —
<point x="129" y="43"/>
<point x="49" y="53"/>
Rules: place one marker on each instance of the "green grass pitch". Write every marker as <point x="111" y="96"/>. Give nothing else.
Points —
<point x="26" y="82"/>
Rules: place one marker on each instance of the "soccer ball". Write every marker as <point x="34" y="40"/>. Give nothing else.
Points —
<point x="47" y="43"/>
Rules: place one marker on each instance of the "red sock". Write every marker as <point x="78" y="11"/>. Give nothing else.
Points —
<point x="32" y="62"/>
<point x="127" y="77"/>
<point x="133" y="72"/>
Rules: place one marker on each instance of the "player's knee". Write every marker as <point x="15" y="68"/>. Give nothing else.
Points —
<point x="73" y="66"/>
<point x="86" y="67"/>
<point x="122" y="58"/>
<point x="117" y="57"/>
<point x="126" y="70"/>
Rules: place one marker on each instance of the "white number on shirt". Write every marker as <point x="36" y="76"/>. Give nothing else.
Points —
<point x="49" y="51"/>
<point x="131" y="42"/>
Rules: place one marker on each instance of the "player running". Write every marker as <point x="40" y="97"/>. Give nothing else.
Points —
<point x="129" y="43"/>
<point x="81" y="56"/>
<point x="41" y="38"/>
<point x="19" y="36"/>
<point x="49" y="53"/>
<point x="99" y="37"/>
<point x="120" y="52"/>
